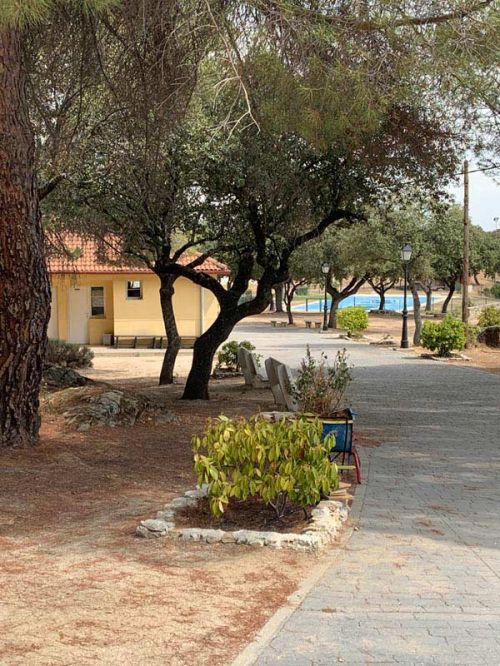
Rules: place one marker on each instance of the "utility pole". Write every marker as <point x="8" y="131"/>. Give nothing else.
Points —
<point x="465" y="272"/>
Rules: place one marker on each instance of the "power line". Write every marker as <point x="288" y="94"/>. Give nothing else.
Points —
<point x="494" y="166"/>
<point x="453" y="175"/>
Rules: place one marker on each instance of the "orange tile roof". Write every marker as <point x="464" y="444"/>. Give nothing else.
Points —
<point x="88" y="261"/>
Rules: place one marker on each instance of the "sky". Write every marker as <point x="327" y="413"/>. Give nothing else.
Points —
<point x="484" y="198"/>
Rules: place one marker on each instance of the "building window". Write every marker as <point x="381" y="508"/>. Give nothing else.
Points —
<point x="97" y="301"/>
<point x="134" y="289"/>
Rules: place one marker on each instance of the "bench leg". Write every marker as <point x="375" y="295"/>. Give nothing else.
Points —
<point x="357" y="464"/>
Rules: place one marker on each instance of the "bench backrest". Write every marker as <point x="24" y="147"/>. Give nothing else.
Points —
<point x="274" y="382"/>
<point x="244" y="363"/>
<point x="287" y="383"/>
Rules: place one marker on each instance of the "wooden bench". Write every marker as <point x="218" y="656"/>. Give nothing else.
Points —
<point x="149" y="342"/>
<point x="139" y="341"/>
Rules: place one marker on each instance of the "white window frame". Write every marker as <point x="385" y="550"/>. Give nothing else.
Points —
<point x="134" y="298"/>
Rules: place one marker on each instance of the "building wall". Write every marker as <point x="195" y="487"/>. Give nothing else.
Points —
<point x="97" y="326"/>
<point x="195" y="311"/>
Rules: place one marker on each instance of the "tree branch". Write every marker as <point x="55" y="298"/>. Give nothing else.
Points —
<point x="48" y="187"/>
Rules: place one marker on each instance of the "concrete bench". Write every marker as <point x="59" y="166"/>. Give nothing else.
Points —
<point x="254" y="374"/>
<point x="274" y="383"/>
<point x="308" y="323"/>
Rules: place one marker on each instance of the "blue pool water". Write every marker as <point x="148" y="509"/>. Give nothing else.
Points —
<point x="365" y="300"/>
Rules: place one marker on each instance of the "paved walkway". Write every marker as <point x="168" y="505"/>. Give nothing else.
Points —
<point x="419" y="583"/>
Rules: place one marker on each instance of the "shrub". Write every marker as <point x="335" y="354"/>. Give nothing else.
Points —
<point x="247" y="296"/>
<point x="471" y="333"/>
<point x="353" y="319"/>
<point x="228" y="355"/>
<point x="281" y="463"/>
<point x="319" y="388"/>
<point x="68" y="354"/>
<point x="302" y="291"/>
<point x="493" y="291"/>
<point x="443" y="336"/>
<point x="490" y="316"/>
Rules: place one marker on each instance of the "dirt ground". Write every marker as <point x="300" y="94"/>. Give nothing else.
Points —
<point x="77" y="587"/>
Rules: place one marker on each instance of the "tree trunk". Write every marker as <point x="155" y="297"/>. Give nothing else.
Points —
<point x="417" y="316"/>
<point x="278" y="290"/>
<point x="25" y="289"/>
<point x="288" y="295"/>
<point x="272" y="305"/>
<point x="446" y="302"/>
<point x="203" y="356"/>
<point x="428" y="299"/>
<point x="173" y="337"/>
<point x="381" y="305"/>
<point x="332" y="317"/>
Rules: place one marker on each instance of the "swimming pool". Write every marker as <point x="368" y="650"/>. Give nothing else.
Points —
<point x="366" y="301"/>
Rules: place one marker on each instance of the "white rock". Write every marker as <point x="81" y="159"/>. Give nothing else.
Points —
<point x="182" y="502"/>
<point x="167" y="515"/>
<point x="157" y="525"/>
<point x="214" y="536"/>
<point x="198" y="492"/>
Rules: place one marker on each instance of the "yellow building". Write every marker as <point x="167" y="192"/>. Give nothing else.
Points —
<point x="92" y="301"/>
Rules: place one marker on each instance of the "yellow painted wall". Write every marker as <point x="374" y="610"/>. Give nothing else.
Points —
<point x="97" y="325"/>
<point x="143" y="317"/>
<point x="125" y="316"/>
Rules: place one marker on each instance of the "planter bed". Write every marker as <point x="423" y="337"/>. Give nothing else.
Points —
<point x="294" y="532"/>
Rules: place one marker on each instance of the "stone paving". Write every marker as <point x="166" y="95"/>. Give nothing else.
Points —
<point x="419" y="582"/>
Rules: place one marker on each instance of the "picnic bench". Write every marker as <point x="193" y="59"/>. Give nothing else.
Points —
<point x="276" y="323"/>
<point x="309" y="323"/>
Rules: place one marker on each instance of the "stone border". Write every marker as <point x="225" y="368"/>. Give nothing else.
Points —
<point x="327" y="519"/>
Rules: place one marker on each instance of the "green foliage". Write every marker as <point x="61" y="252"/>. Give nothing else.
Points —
<point x="302" y="291"/>
<point x="247" y="296"/>
<point x="68" y="354"/>
<point x="490" y="316"/>
<point x="471" y="333"/>
<point x="280" y="462"/>
<point x="493" y="291"/>
<point x="319" y="388"/>
<point x="444" y="336"/>
<point x="353" y="319"/>
<point x="228" y="355"/>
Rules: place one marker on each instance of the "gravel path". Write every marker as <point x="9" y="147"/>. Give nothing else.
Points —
<point x="419" y="582"/>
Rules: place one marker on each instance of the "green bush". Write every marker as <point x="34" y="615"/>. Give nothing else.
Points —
<point x="444" y="336"/>
<point x="282" y="463"/>
<point x="247" y="296"/>
<point x="493" y="291"/>
<point x="228" y="355"/>
<point x="68" y="354"/>
<point x="319" y="388"/>
<point x="353" y="319"/>
<point x="302" y="291"/>
<point x="471" y="333"/>
<point x="490" y="316"/>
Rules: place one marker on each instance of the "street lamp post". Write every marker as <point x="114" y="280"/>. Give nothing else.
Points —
<point x="325" y="269"/>
<point x="405" y="257"/>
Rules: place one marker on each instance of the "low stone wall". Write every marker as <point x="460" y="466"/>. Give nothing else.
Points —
<point x="326" y="520"/>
